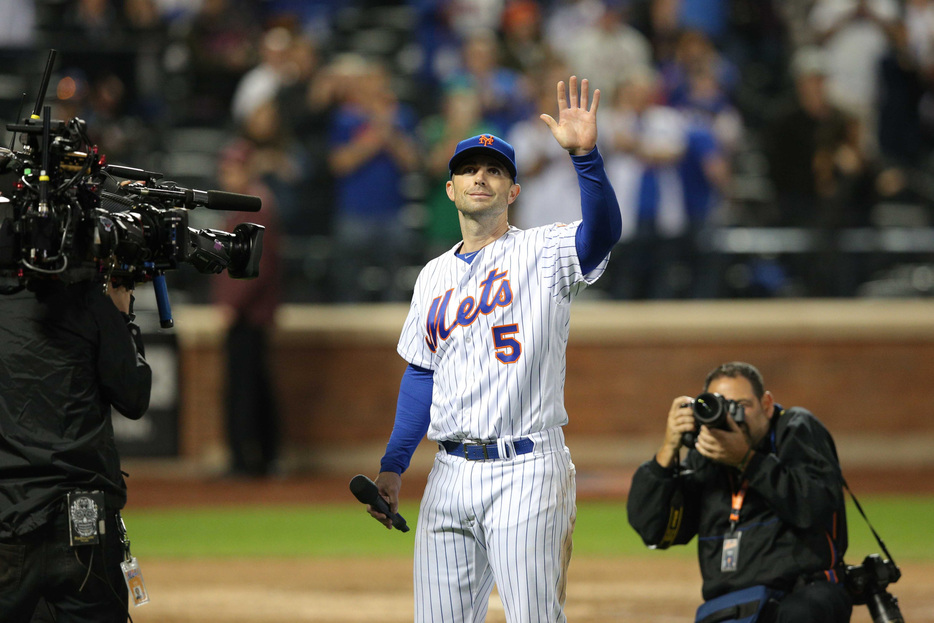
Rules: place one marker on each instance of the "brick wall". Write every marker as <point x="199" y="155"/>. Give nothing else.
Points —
<point x="861" y="366"/>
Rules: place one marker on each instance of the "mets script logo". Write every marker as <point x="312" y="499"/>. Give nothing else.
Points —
<point x="495" y="292"/>
<point x="486" y="139"/>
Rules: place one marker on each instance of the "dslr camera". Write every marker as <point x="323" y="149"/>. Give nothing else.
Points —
<point x="867" y="583"/>
<point x="66" y="214"/>
<point x="712" y="410"/>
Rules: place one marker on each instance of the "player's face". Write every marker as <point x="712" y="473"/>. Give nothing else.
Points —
<point x="758" y="412"/>
<point x="482" y="184"/>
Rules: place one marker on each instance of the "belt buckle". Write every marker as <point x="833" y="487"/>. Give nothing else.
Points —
<point x="476" y="444"/>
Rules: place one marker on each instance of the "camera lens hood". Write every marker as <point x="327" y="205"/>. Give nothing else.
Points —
<point x="708" y="408"/>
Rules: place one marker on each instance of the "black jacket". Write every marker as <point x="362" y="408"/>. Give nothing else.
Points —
<point x="793" y="518"/>
<point x="66" y="355"/>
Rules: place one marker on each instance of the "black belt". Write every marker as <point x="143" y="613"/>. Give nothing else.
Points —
<point x="485" y="450"/>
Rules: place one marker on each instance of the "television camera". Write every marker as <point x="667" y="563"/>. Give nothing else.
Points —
<point x="72" y="216"/>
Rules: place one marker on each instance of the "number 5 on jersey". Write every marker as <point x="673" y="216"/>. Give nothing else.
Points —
<point x="508" y="348"/>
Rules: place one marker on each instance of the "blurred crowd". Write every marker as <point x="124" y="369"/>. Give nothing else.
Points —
<point x="758" y="147"/>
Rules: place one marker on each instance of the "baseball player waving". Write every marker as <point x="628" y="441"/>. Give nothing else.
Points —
<point x="485" y="339"/>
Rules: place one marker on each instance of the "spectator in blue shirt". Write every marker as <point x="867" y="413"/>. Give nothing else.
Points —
<point x="372" y="148"/>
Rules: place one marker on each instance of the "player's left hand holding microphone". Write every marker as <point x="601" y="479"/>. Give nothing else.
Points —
<point x="379" y="497"/>
<point x="388" y="484"/>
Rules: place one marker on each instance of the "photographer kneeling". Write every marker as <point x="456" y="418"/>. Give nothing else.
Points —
<point x="67" y="354"/>
<point x="762" y="492"/>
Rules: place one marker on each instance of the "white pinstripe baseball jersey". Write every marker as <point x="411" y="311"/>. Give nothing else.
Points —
<point x="494" y="333"/>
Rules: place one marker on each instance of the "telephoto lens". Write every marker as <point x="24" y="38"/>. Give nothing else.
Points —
<point x="711" y="410"/>
<point x="883" y="607"/>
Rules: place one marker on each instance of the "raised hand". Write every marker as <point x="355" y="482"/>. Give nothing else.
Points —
<point x="576" y="127"/>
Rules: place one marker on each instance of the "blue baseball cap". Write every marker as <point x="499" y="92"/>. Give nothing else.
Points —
<point x="488" y="144"/>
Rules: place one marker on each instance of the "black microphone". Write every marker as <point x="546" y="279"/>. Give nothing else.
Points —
<point x="365" y="491"/>
<point x="231" y="202"/>
<point x="211" y="199"/>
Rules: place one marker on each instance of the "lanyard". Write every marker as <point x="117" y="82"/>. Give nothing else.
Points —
<point x="738" y="498"/>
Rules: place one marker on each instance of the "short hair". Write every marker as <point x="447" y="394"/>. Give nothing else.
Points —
<point x="736" y="369"/>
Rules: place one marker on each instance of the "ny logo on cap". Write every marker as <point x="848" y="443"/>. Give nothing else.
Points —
<point x="486" y="139"/>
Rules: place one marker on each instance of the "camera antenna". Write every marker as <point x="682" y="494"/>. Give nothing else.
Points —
<point x="44" y="172"/>
<point x="44" y="85"/>
<point x="46" y="131"/>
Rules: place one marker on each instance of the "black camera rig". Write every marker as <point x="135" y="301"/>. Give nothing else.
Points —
<point x="867" y="584"/>
<point x="71" y="216"/>
<point x="712" y="410"/>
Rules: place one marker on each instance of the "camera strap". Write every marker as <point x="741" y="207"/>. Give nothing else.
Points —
<point x="866" y="519"/>
<point x="675" y="514"/>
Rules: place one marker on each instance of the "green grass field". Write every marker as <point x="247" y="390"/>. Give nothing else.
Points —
<point x="345" y="530"/>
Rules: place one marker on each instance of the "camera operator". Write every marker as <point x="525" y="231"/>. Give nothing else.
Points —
<point x="764" y="498"/>
<point x="67" y="354"/>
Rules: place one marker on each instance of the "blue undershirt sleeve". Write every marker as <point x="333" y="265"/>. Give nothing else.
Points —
<point x="413" y="414"/>
<point x="602" y="223"/>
